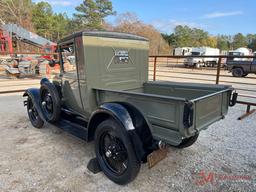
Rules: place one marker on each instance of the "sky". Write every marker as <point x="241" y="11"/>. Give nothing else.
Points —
<point x="215" y="16"/>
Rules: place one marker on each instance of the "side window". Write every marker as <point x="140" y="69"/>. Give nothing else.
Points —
<point x="68" y="58"/>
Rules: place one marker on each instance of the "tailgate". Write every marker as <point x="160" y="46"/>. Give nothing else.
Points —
<point x="211" y="108"/>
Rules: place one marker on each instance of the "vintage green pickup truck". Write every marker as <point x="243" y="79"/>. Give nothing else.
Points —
<point x="103" y="95"/>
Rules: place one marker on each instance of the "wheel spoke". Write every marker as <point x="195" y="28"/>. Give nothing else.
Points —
<point x="107" y="139"/>
<point x="114" y="152"/>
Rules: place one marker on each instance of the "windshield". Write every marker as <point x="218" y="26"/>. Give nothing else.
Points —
<point x="235" y="53"/>
<point x="196" y="53"/>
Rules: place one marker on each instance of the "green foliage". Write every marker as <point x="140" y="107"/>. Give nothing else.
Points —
<point x="42" y="18"/>
<point x="251" y="40"/>
<point x="91" y="13"/>
<point x="185" y="36"/>
<point x="224" y="42"/>
<point x="48" y="24"/>
<point x="239" y="40"/>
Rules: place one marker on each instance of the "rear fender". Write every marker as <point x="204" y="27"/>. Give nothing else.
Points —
<point x="34" y="94"/>
<point x="120" y="114"/>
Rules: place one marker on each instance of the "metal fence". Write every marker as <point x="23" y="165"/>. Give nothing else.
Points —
<point x="172" y="68"/>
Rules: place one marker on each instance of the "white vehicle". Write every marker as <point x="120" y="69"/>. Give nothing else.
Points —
<point x="182" y="51"/>
<point x="201" y="61"/>
<point x="242" y="51"/>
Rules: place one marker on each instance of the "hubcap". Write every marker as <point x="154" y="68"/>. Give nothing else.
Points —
<point x="108" y="153"/>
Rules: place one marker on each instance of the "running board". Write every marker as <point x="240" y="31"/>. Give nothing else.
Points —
<point x="74" y="126"/>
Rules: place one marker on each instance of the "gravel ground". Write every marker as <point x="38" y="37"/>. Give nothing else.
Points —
<point x="223" y="158"/>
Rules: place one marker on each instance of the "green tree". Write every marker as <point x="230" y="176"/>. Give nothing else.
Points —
<point x="252" y="45"/>
<point x="239" y="40"/>
<point x="48" y="24"/>
<point x="60" y="26"/>
<point x="170" y="39"/>
<point x="224" y="42"/>
<point x="91" y="13"/>
<point x="42" y="19"/>
<point x="185" y="36"/>
<point x="211" y="41"/>
<point x="199" y="37"/>
<point x="251" y="40"/>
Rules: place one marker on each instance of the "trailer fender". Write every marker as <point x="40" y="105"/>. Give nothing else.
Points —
<point x="120" y="114"/>
<point x="34" y="94"/>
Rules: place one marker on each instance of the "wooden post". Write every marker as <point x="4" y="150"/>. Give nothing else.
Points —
<point x="154" y="74"/>
<point x="218" y="71"/>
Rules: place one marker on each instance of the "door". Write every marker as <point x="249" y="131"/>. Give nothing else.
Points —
<point x="253" y="66"/>
<point x="70" y="79"/>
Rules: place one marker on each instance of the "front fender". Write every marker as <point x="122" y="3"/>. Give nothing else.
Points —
<point x="120" y="114"/>
<point x="34" y="94"/>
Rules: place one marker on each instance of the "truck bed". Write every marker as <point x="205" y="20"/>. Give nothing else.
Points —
<point x="174" y="110"/>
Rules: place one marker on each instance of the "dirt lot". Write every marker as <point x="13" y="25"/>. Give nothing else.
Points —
<point x="223" y="158"/>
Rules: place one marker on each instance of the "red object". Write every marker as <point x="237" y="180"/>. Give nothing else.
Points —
<point x="6" y="46"/>
<point x="5" y="40"/>
<point x="49" y="49"/>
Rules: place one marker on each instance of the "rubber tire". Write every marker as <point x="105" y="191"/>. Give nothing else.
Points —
<point x="237" y="72"/>
<point x="55" y="99"/>
<point x="187" y="142"/>
<point x="134" y="164"/>
<point x="39" y="123"/>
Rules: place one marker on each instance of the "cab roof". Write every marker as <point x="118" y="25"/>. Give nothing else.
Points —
<point x="106" y="34"/>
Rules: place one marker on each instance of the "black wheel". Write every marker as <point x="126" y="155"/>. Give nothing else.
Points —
<point x="50" y="101"/>
<point x="237" y="72"/>
<point x="115" y="152"/>
<point x="187" y="142"/>
<point x="34" y="118"/>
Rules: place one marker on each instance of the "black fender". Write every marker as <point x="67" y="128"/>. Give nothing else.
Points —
<point x="55" y="83"/>
<point x="119" y="113"/>
<point x="34" y="94"/>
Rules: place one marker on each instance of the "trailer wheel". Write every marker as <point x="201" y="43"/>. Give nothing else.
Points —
<point x="115" y="152"/>
<point x="188" y="141"/>
<point x="237" y="72"/>
<point x="34" y="118"/>
<point x="50" y="101"/>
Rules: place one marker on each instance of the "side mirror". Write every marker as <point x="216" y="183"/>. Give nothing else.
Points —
<point x="52" y="63"/>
